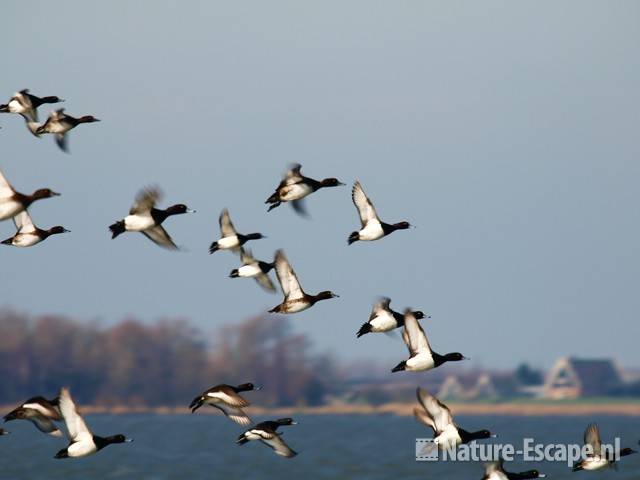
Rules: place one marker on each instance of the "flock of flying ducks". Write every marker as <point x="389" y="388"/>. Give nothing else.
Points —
<point x="146" y="218"/>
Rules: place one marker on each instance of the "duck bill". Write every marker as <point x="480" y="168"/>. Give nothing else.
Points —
<point x="128" y="440"/>
<point x="190" y="210"/>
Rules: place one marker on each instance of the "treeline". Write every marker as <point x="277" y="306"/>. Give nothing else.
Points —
<point x="164" y="363"/>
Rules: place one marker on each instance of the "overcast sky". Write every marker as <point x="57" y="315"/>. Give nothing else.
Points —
<point x="506" y="131"/>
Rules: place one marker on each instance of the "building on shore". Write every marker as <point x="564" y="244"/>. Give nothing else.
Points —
<point x="573" y="377"/>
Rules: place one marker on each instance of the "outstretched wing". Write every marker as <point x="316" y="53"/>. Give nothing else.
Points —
<point x="592" y="438"/>
<point x="146" y="200"/>
<point x="414" y="336"/>
<point x="246" y="256"/>
<point x="381" y="305"/>
<point x="279" y="446"/>
<point x="435" y="410"/>
<point x="226" y="226"/>
<point x="287" y="277"/>
<point x="61" y="141"/>
<point x="292" y="176"/>
<point x="160" y="237"/>
<point x="23" y="222"/>
<point x="6" y="190"/>
<point x="494" y="470"/>
<point x="365" y="208"/>
<point x="78" y="430"/>
<point x="265" y="282"/>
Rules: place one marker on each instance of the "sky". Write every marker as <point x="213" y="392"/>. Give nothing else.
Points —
<point x="507" y="132"/>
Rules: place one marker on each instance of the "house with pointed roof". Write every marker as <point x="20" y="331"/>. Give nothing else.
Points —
<point x="574" y="377"/>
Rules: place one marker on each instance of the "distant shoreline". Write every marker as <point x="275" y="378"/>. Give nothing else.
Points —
<point x="626" y="408"/>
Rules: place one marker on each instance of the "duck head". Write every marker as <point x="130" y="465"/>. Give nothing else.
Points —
<point x="331" y="182"/>
<point x="246" y="387"/>
<point x="44" y="193"/>
<point x="88" y="119"/>
<point x="286" y="421"/>
<point x="179" y="209"/>
<point x="57" y="230"/>
<point x="326" y="295"/>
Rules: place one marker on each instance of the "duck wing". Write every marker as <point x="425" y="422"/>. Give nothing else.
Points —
<point x="226" y="226"/>
<point x="292" y="176"/>
<point x="77" y="428"/>
<point x="365" y="208"/>
<point x="265" y="282"/>
<point x="235" y="414"/>
<point x="23" y="222"/>
<point x="380" y="306"/>
<point x="227" y="395"/>
<point x="61" y="141"/>
<point x="495" y="470"/>
<point x="300" y="207"/>
<point x="438" y="413"/>
<point x="246" y="256"/>
<point x="414" y="336"/>
<point x="145" y="200"/>
<point x="592" y="438"/>
<point x="6" y="190"/>
<point x="160" y="237"/>
<point x="287" y="278"/>
<point x="279" y="446"/>
<point x="42" y="406"/>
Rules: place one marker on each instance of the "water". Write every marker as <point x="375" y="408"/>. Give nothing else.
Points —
<point x="333" y="447"/>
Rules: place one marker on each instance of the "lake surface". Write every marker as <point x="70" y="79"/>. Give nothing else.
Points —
<point x="191" y="447"/>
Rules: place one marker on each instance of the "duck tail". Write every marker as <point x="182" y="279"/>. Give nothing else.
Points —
<point x="366" y="328"/>
<point x="276" y="309"/>
<point x="213" y="248"/>
<point x="241" y="440"/>
<point x="4" y="108"/>
<point x="354" y="237"/>
<point x="117" y="228"/>
<point x="273" y="205"/>
<point x="400" y="367"/>
<point x="196" y="404"/>
<point x="7" y="241"/>
<point x="234" y="273"/>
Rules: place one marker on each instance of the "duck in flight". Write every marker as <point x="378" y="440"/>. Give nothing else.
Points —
<point x="39" y="411"/>
<point x="295" y="299"/>
<point x="81" y="441"/>
<point x="384" y="319"/>
<point x="598" y="457"/>
<point x="26" y="105"/>
<point x="421" y="356"/>
<point x="252" y="268"/>
<point x="12" y="202"/>
<point x="145" y="218"/>
<point x="294" y="187"/>
<point x="267" y="433"/>
<point x="372" y="227"/>
<point x="496" y="471"/>
<point x="231" y="239"/>
<point x="437" y="416"/>
<point x="59" y="124"/>
<point x="228" y="400"/>
<point x="27" y="234"/>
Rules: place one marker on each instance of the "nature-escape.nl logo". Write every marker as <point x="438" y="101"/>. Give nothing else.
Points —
<point x="530" y="451"/>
